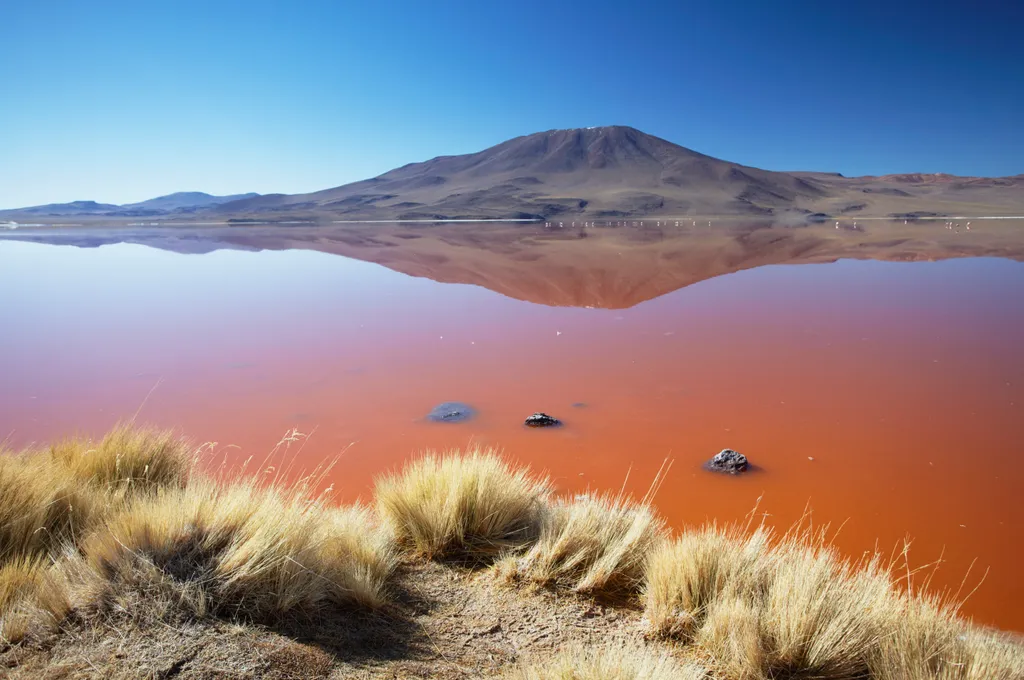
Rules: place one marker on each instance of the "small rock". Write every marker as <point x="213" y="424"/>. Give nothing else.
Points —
<point x="729" y="461"/>
<point x="542" y="420"/>
<point x="451" y="412"/>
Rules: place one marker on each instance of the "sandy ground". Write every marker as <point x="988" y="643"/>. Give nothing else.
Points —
<point x="447" y="622"/>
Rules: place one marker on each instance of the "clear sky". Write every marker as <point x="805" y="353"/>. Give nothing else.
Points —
<point x="123" y="101"/>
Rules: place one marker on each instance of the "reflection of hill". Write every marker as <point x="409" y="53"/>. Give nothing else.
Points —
<point x="610" y="268"/>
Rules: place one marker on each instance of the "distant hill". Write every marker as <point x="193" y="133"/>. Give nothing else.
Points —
<point x="177" y="203"/>
<point x="600" y="173"/>
<point x="185" y="200"/>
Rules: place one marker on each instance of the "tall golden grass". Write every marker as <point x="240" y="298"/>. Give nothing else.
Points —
<point x="473" y="505"/>
<point x="126" y="524"/>
<point x="40" y="508"/>
<point x="759" y="609"/>
<point x="591" y="544"/>
<point x="128" y="459"/>
<point x="239" y="549"/>
<point x="49" y="498"/>
<point x="608" y="663"/>
<point x="34" y="597"/>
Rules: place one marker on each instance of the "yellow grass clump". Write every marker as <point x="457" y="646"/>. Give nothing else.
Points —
<point x="592" y="544"/>
<point x="818" y="617"/>
<point x="40" y="508"/>
<point x="242" y="550"/>
<point x="608" y="663"/>
<point x="758" y="609"/>
<point x="925" y="639"/>
<point x="34" y="598"/>
<point x="50" y="498"/>
<point x="686" y="576"/>
<point x="127" y="459"/>
<point x="473" y="505"/>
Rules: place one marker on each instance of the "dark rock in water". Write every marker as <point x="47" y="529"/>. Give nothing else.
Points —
<point x="729" y="461"/>
<point x="542" y="420"/>
<point x="451" y="412"/>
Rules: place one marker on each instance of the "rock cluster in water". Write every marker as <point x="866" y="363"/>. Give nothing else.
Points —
<point x="542" y="420"/>
<point x="457" y="412"/>
<point x="729" y="461"/>
<point x="451" y="412"/>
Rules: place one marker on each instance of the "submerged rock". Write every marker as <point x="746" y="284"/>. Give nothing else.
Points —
<point x="542" y="420"/>
<point x="728" y="461"/>
<point x="451" y="412"/>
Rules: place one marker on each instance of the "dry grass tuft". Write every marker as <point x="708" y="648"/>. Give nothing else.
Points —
<point x="759" y="610"/>
<point x="127" y="460"/>
<point x="821" y="614"/>
<point x="241" y="551"/>
<point x="685" y="577"/>
<point x="361" y="556"/>
<point x="597" y="545"/>
<point x="609" y="663"/>
<point x="991" y="655"/>
<point x="40" y="508"/>
<point x="34" y="598"/>
<point x="473" y="505"/>
<point x="925" y="639"/>
<point x="48" y="499"/>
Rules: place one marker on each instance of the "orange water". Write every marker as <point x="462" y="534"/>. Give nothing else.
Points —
<point x="884" y="396"/>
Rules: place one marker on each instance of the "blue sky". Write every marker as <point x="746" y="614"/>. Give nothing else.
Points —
<point x="123" y="101"/>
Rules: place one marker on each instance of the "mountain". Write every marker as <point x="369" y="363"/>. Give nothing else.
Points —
<point x="185" y="200"/>
<point x="177" y="203"/>
<point x="73" y="208"/>
<point x="601" y="173"/>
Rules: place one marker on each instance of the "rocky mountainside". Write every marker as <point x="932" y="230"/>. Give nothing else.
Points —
<point x="600" y="173"/>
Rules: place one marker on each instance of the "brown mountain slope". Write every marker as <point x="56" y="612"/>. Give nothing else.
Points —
<point x="613" y="172"/>
<point x="597" y="174"/>
<point x="603" y="172"/>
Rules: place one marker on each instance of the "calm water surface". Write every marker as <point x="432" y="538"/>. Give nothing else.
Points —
<point x="888" y="396"/>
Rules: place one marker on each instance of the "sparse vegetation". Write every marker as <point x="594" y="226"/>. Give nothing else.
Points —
<point x="127" y="460"/>
<point x="759" y="609"/>
<point x="126" y="538"/>
<point x="609" y="663"/>
<point x="239" y="549"/>
<point x="591" y="544"/>
<point x="472" y="505"/>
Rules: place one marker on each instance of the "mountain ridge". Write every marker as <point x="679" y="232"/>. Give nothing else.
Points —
<point x="180" y="201"/>
<point x="597" y="173"/>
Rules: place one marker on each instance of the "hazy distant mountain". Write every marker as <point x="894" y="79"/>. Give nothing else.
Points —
<point x="185" y="200"/>
<point x="73" y="208"/>
<point x="178" y="203"/>
<point x="601" y="173"/>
